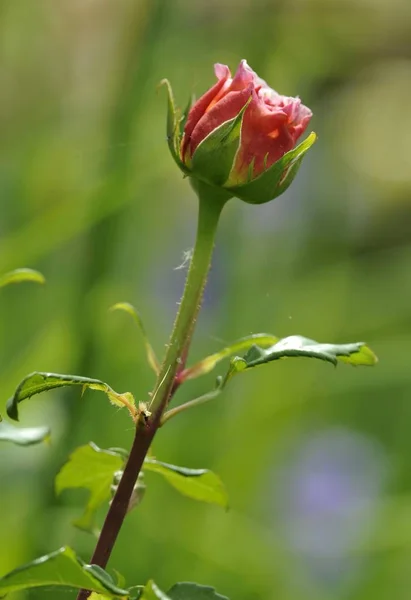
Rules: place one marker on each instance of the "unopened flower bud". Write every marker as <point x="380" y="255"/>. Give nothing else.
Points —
<point x="241" y="135"/>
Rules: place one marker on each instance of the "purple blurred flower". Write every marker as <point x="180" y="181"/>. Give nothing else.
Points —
<point x="328" y="492"/>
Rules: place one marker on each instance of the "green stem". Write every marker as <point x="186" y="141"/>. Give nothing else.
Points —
<point x="211" y="203"/>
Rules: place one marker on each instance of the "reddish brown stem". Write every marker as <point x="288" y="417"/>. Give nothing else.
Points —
<point x="119" y="505"/>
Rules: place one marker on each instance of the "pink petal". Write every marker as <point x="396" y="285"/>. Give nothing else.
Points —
<point x="222" y="71"/>
<point x="200" y="107"/>
<point x="227" y="108"/>
<point x="244" y="77"/>
<point x="265" y="138"/>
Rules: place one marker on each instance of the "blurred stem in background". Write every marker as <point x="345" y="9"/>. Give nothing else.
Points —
<point x="128" y="107"/>
<point x="139" y="49"/>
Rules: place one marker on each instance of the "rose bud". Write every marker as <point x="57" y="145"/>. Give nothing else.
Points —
<point x="240" y="135"/>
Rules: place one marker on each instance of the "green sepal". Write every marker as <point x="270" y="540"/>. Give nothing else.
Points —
<point x="214" y="157"/>
<point x="184" y="116"/>
<point x="173" y="127"/>
<point x="276" y="179"/>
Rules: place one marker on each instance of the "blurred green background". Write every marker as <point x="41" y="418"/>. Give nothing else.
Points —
<point x="317" y="461"/>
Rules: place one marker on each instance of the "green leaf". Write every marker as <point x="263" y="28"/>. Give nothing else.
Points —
<point x="208" y="364"/>
<point x="297" y="346"/>
<point x="199" y="484"/>
<point x="276" y="179"/>
<point x="152" y="592"/>
<point x="61" y="568"/>
<point x="38" y="382"/>
<point x="20" y="275"/>
<point x="151" y="356"/>
<point x="23" y="436"/>
<point x="357" y="354"/>
<point x="193" y="591"/>
<point x="214" y="157"/>
<point x="365" y="357"/>
<point x="92" y="468"/>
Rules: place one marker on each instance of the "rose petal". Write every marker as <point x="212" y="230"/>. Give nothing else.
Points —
<point x="227" y="108"/>
<point x="200" y="107"/>
<point x="244" y="77"/>
<point x="222" y="71"/>
<point x="271" y="126"/>
<point x="265" y="138"/>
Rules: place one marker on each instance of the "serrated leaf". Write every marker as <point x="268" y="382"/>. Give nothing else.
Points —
<point x="23" y="436"/>
<point x="38" y="382"/>
<point x="214" y="156"/>
<point x="187" y="590"/>
<point x="357" y="354"/>
<point x="275" y="180"/>
<point x="61" y="568"/>
<point x="199" y="484"/>
<point x="129" y="308"/>
<point x="209" y="363"/>
<point x="152" y="592"/>
<point x="91" y="468"/>
<point x="297" y="346"/>
<point x="20" y="275"/>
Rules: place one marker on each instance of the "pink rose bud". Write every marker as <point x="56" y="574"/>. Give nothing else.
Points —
<point x="241" y="135"/>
